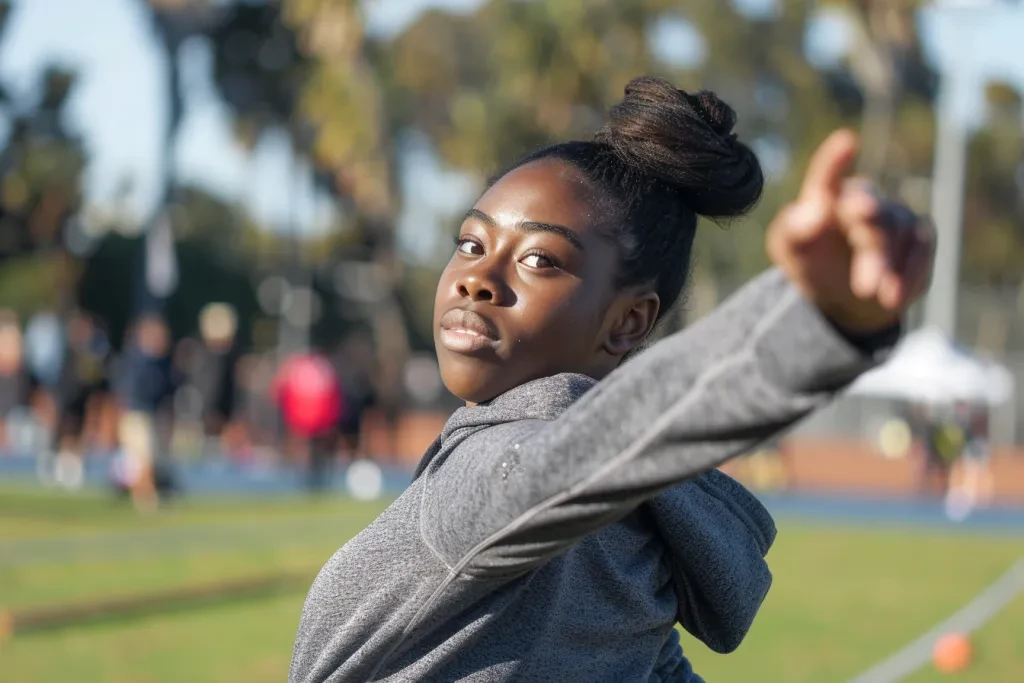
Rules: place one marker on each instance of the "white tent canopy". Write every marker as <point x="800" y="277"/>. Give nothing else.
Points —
<point x="928" y="367"/>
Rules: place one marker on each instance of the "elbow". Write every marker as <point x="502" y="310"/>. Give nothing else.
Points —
<point x="721" y="620"/>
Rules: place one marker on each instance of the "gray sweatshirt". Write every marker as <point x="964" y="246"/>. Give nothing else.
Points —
<point x="559" y="532"/>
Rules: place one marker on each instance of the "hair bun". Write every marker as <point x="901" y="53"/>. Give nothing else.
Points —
<point x="686" y="141"/>
<point x="719" y="116"/>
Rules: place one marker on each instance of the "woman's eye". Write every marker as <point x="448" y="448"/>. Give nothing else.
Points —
<point x="537" y="261"/>
<point x="470" y="247"/>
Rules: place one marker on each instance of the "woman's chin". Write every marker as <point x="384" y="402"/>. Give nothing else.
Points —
<point x="472" y="382"/>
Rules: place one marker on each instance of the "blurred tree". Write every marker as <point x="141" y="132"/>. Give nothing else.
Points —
<point x="899" y="91"/>
<point x="207" y="249"/>
<point x="303" y="66"/>
<point x="299" y="66"/>
<point x="5" y="13"/>
<point x="342" y="103"/>
<point x="41" y="166"/>
<point x="786" y="106"/>
<point x="994" y="206"/>
<point x="259" y="71"/>
<point x="887" y="62"/>
<point x="344" y="107"/>
<point x="489" y="85"/>
<point x="173" y="22"/>
<point x="27" y="284"/>
<point x="207" y="221"/>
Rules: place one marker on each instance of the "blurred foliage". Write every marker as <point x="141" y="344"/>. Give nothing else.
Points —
<point x="27" y="284"/>
<point x="887" y="63"/>
<point x="482" y="88"/>
<point x="299" y="66"/>
<point x="302" y="66"/>
<point x="522" y="74"/>
<point x="41" y="165"/>
<point x="112" y="273"/>
<point x="258" y="68"/>
<point x="342" y="102"/>
<point x="994" y="210"/>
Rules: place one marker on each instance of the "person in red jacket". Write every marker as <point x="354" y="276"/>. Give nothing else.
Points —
<point x="308" y="393"/>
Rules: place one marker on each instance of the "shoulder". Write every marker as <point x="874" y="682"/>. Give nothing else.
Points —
<point x="471" y="449"/>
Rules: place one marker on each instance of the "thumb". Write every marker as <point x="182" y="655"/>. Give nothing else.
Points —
<point x="828" y="168"/>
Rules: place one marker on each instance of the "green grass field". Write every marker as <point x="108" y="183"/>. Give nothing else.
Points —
<point x="843" y="598"/>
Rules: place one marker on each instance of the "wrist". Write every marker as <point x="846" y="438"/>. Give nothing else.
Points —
<point x="861" y="323"/>
<point x="870" y="342"/>
<point x="854" y="317"/>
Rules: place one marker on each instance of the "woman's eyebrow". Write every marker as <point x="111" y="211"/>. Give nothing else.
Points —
<point x="530" y="226"/>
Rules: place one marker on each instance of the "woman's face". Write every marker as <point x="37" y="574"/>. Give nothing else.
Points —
<point x="530" y="291"/>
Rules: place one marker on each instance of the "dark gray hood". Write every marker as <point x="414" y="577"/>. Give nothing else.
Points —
<point x="716" y="532"/>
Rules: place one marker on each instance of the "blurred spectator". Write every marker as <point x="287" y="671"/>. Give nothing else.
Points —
<point x="213" y="369"/>
<point x="188" y="433"/>
<point x="355" y="364"/>
<point x="944" y="444"/>
<point x="44" y="361"/>
<point x="205" y="371"/>
<point x="309" y="395"/>
<point x="257" y="426"/>
<point x="144" y="386"/>
<point x="971" y="482"/>
<point x="44" y="345"/>
<point x="14" y="385"/>
<point x="81" y="385"/>
<point x="929" y="449"/>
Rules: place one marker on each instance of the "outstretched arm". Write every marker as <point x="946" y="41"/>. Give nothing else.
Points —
<point x="763" y="360"/>
<point x="760" y="362"/>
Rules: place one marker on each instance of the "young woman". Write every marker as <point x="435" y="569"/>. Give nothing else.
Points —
<point x="561" y="524"/>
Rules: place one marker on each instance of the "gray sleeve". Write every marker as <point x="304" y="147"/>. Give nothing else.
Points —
<point x="512" y="497"/>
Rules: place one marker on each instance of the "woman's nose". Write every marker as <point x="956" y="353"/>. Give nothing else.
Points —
<point x="477" y="288"/>
<point x="484" y="281"/>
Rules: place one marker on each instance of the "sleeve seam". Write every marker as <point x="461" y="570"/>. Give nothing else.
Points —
<point x="423" y="534"/>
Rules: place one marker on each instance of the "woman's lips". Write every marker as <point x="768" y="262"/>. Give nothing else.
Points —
<point x="464" y="331"/>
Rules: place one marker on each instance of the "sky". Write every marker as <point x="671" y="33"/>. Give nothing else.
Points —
<point x="119" y="104"/>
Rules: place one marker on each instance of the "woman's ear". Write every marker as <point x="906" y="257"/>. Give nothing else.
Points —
<point x="632" y="323"/>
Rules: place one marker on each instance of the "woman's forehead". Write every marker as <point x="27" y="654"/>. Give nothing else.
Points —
<point x="548" y="191"/>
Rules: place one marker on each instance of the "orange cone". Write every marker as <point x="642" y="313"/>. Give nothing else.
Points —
<point x="952" y="653"/>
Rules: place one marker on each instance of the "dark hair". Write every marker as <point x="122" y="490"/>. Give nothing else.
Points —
<point x="664" y="158"/>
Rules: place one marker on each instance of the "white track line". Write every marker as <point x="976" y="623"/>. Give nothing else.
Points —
<point x="973" y="616"/>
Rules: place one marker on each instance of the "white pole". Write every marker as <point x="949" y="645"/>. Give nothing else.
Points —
<point x="951" y="140"/>
<point x="947" y="208"/>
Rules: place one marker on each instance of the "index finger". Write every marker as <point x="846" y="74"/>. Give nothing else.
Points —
<point x="829" y="166"/>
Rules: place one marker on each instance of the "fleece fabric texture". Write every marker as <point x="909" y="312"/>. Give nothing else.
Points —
<point x="559" y="532"/>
